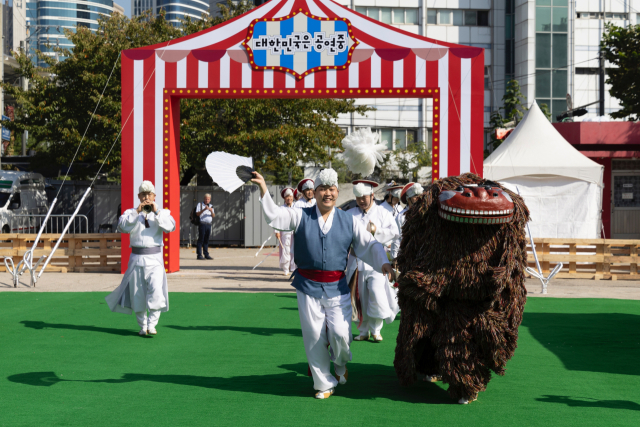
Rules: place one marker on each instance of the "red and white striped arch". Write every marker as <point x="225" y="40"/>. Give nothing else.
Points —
<point x="387" y="63"/>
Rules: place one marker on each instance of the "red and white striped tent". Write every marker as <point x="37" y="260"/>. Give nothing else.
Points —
<point x="379" y="61"/>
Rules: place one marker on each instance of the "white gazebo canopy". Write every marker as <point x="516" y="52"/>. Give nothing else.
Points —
<point x="536" y="148"/>
<point x="561" y="187"/>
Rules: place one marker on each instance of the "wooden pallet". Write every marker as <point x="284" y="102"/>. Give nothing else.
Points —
<point x="598" y="259"/>
<point x="76" y="253"/>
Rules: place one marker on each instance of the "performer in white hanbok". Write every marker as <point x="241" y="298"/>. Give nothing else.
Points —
<point x="285" y="238"/>
<point x="144" y="285"/>
<point x="408" y="196"/>
<point x="377" y="297"/>
<point x="323" y="236"/>
<point x="306" y="188"/>
<point x="392" y="200"/>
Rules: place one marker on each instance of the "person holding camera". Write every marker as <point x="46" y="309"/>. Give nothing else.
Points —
<point x="206" y="214"/>
<point x="144" y="285"/>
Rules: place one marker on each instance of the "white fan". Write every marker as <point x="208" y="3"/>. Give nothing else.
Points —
<point x="228" y="170"/>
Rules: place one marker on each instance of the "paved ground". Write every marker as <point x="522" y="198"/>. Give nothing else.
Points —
<point x="232" y="271"/>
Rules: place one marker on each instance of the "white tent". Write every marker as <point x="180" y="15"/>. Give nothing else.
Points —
<point x="561" y="187"/>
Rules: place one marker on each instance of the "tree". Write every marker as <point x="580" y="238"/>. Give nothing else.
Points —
<point x="57" y="107"/>
<point x="403" y="165"/>
<point x="621" y="48"/>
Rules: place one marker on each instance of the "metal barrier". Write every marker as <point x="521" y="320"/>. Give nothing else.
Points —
<point x="28" y="224"/>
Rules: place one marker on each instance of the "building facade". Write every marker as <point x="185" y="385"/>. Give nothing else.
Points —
<point x="175" y="10"/>
<point x="45" y="21"/>
<point x="550" y="47"/>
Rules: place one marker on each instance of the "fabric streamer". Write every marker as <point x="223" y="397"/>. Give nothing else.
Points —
<point x="264" y="243"/>
<point x="265" y="258"/>
<point x="362" y="152"/>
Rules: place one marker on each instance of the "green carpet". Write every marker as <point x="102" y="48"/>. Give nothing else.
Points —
<point x="238" y="360"/>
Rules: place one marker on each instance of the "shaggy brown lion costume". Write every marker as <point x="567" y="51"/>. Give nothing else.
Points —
<point x="461" y="293"/>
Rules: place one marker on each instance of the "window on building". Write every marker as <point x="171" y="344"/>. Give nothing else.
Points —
<point x="586" y="70"/>
<point x="397" y="138"/>
<point x="411" y="16"/>
<point x="471" y="17"/>
<point x="458" y="17"/>
<point x="608" y="15"/>
<point x="432" y="16"/>
<point x="444" y="17"/>
<point x="509" y="45"/>
<point x="387" y="15"/>
<point x="551" y="54"/>
<point x="617" y="16"/>
<point x="483" y="18"/>
<point x="386" y="136"/>
<point x="487" y="78"/>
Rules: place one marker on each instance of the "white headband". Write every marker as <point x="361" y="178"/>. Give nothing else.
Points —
<point x="396" y="193"/>
<point x="415" y="190"/>
<point x="146" y="187"/>
<point x="327" y="177"/>
<point x="362" y="189"/>
<point x="308" y="185"/>
<point x="288" y="192"/>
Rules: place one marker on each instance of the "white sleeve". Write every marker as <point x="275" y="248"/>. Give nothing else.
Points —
<point x="388" y="229"/>
<point x="279" y="217"/>
<point x="395" y="243"/>
<point x="368" y="249"/>
<point x="128" y="221"/>
<point x="166" y="221"/>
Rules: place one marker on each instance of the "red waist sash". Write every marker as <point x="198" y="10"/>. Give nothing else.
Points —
<point x="321" y="275"/>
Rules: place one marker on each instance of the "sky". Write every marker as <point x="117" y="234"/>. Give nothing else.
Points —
<point x="127" y="6"/>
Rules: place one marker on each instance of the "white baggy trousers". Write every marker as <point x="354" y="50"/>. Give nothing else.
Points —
<point x="374" y="301"/>
<point x="145" y="286"/>
<point x="326" y="321"/>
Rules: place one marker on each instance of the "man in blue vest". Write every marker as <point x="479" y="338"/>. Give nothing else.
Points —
<point x="322" y="237"/>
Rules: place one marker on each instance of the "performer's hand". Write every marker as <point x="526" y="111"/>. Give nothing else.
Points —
<point x="139" y="209"/>
<point x="155" y="207"/>
<point x="388" y="271"/>
<point x="277" y="235"/>
<point x="258" y="179"/>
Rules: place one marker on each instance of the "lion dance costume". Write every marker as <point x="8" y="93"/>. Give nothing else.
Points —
<point x="461" y="292"/>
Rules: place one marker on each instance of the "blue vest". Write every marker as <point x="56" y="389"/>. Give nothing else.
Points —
<point x="313" y="250"/>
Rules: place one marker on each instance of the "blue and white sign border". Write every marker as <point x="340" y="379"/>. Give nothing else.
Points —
<point x="247" y="44"/>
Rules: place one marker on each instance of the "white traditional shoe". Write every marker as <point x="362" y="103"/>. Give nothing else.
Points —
<point x="152" y="331"/>
<point x="377" y="338"/>
<point x="143" y="332"/>
<point x="466" y="401"/>
<point x="324" y="394"/>
<point x="362" y="337"/>
<point x="342" y="379"/>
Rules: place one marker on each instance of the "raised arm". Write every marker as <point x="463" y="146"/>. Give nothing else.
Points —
<point x="128" y="221"/>
<point x="369" y="250"/>
<point x="277" y="217"/>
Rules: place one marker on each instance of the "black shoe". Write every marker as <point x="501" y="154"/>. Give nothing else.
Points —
<point x="207" y="257"/>
<point x="200" y="257"/>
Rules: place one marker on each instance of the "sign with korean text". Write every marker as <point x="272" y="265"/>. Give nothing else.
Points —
<point x="6" y="133"/>
<point x="300" y="44"/>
